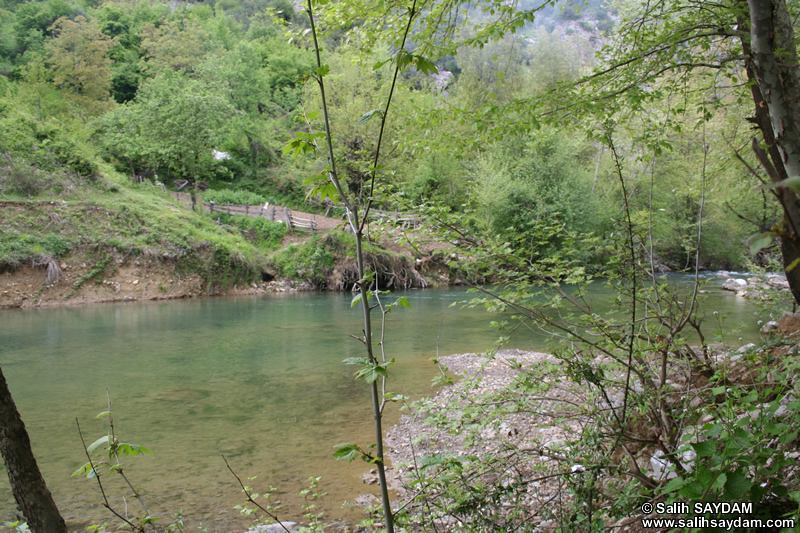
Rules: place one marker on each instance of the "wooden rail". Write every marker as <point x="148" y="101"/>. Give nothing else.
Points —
<point x="406" y="220"/>
<point x="270" y="212"/>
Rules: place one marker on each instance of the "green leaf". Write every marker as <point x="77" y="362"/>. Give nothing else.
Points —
<point x="425" y="66"/>
<point x="705" y="448"/>
<point x="674" y="484"/>
<point x="323" y="70"/>
<point x="102" y="441"/>
<point x="792" y="265"/>
<point x="358" y="297"/>
<point x="403" y="302"/>
<point x="736" y="486"/>
<point x="315" y="179"/>
<point x="759" y="241"/>
<point x="403" y="58"/>
<point x="792" y="182"/>
<point x="346" y="450"/>
<point x="132" y="450"/>
<point x="372" y="373"/>
<point x="86" y="470"/>
<point x="693" y="490"/>
<point x="368" y="115"/>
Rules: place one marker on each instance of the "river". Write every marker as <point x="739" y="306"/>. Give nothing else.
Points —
<point x="258" y="379"/>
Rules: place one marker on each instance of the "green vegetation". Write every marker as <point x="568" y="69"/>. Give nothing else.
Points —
<point x="135" y="222"/>
<point x="226" y="196"/>
<point x="550" y="146"/>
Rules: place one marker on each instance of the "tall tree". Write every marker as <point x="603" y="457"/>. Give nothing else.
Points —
<point x="27" y="483"/>
<point x="774" y="73"/>
<point x="78" y="57"/>
<point x="178" y="45"/>
<point x="176" y="121"/>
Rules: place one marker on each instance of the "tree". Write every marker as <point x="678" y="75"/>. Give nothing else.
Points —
<point x="78" y="57"/>
<point x="176" y="121"/>
<point x="682" y="55"/>
<point x="178" y="45"/>
<point x="700" y="50"/>
<point x="774" y="76"/>
<point x="27" y="483"/>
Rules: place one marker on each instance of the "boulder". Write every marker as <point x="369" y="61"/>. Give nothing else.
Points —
<point x="734" y="285"/>
<point x="779" y="283"/>
<point x="789" y="323"/>
<point x="769" y="327"/>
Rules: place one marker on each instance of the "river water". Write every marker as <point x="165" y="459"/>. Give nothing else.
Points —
<point x="257" y="379"/>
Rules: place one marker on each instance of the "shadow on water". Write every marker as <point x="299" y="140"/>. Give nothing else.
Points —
<point x="258" y="379"/>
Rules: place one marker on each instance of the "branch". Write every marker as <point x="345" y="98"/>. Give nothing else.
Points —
<point x="251" y="500"/>
<point x="106" y="504"/>
<point x="113" y="445"/>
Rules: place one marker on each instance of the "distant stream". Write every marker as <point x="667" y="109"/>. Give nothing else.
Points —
<point x="258" y="379"/>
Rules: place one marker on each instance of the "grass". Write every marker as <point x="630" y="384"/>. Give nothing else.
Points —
<point x="132" y="221"/>
<point x="314" y="260"/>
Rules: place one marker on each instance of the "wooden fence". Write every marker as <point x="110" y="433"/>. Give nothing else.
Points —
<point x="406" y="220"/>
<point x="270" y="212"/>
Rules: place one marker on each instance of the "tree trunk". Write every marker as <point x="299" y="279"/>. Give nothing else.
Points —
<point x="774" y="71"/>
<point x="27" y="483"/>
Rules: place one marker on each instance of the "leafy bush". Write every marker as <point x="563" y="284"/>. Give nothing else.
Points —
<point x="311" y="261"/>
<point x="17" y="177"/>
<point x="224" y="196"/>
<point x="259" y="231"/>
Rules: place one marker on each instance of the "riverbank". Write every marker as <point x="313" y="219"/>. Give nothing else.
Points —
<point x="495" y="448"/>
<point x="79" y="283"/>
<point x="73" y="283"/>
<point x="149" y="246"/>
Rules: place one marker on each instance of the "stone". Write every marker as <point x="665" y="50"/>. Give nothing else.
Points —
<point x="779" y="283"/>
<point x="789" y="323"/>
<point x="734" y="285"/>
<point x="769" y="327"/>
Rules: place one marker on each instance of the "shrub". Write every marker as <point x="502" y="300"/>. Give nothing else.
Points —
<point x="224" y="196"/>
<point x="259" y="231"/>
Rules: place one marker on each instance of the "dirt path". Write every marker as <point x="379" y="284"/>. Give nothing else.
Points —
<point x="323" y="223"/>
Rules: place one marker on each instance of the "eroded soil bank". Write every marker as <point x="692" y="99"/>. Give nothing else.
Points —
<point x="80" y="283"/>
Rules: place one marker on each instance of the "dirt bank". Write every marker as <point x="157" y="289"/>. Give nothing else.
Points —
<point x="80" y="283"/>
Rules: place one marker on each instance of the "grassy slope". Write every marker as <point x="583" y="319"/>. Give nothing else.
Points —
<point x="74" y="231"/>
<point x="105" y="221"/>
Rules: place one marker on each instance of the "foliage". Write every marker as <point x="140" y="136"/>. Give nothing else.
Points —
<point x="117" y="450"/>
<point x="178" y="121"/>
<point x="312" y="261"/>
<point x="234" y="197"/>
<point x="78" y="57"/>
<point x="745" y="450"/>
<point x="261" y="232"/>
<point x="526" y="181"/>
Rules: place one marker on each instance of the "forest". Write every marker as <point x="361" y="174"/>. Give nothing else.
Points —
<point x="545" y="146"/>
<point x="157" y="89"/>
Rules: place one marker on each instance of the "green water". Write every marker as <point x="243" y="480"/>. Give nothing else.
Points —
<point x="258" y="379"/>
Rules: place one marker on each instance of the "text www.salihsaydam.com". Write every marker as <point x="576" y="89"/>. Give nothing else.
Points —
<point x="724" y="523"/>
